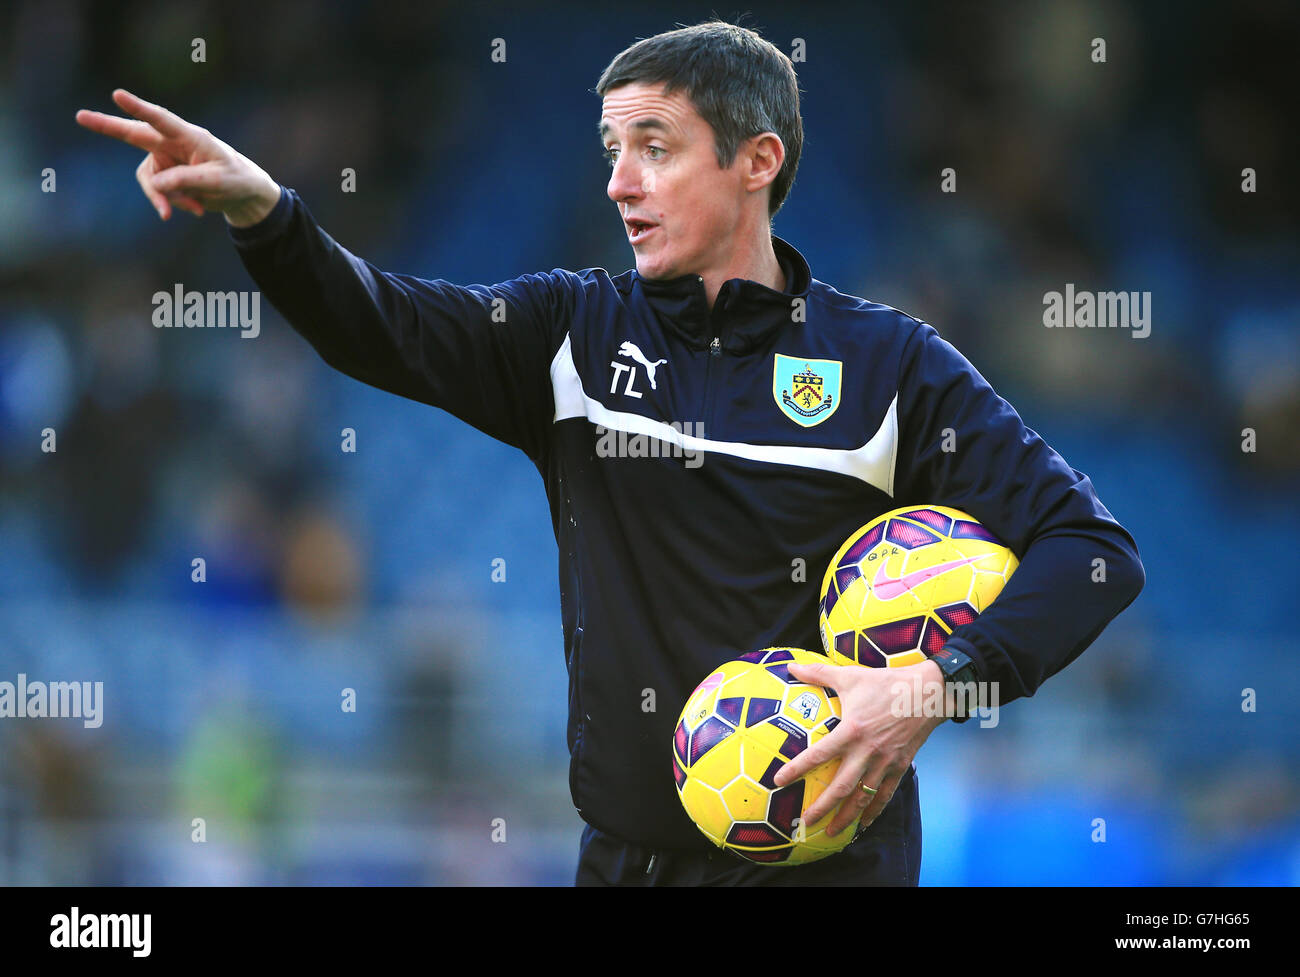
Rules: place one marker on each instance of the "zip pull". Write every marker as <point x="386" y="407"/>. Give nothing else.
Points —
<point x="715" y="347"/>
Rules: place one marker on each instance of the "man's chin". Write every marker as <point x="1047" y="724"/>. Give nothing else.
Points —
<point x="652" y="269"/>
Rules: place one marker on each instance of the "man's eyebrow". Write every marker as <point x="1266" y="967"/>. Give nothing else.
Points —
<point x="604" y="128"/>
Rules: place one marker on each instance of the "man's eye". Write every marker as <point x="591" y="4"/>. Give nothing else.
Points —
<point x="611" y="155"/>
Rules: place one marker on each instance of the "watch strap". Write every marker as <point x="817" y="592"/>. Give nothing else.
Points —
<point x="958" y="668"/>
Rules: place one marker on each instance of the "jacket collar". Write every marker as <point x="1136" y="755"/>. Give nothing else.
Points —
<point x="745" y="311"/>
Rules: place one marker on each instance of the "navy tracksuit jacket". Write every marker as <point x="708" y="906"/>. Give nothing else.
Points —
<point x="798" y="416"/>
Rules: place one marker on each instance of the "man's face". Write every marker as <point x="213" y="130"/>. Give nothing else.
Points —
<point x="680" y="210"/>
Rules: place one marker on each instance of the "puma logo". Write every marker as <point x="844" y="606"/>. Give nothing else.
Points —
<point x="632" y="351"/>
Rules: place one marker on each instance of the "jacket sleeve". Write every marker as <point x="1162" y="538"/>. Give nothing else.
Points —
<point x="480" y="352"/>
<point x="1055" y="604"/>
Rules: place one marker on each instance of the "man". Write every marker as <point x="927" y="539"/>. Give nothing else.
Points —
<point x="669" y="568"/>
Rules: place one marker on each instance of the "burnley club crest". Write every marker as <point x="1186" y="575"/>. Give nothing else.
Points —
<point x="807" y="391"/>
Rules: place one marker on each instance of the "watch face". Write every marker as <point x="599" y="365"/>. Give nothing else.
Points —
<point x="952" y="662"/>
<point x="966" y="673"/>
<point x="966" y="694"/>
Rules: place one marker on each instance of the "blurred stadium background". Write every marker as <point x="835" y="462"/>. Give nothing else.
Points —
<point x="372" y="570"/>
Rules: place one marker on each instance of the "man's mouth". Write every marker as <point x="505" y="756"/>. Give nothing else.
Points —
<point x="637" y="229"/>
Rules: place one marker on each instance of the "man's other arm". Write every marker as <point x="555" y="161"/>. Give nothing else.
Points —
<point x="1001" y="472"/>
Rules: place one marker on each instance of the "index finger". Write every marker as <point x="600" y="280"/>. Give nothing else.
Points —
<point x="141" y="135"/>
<point x="833" y="744"/>
<point x="168" y="123"/>
<point x="826" y="675"/>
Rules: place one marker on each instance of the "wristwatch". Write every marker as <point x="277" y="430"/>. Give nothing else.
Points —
<point x="958" y="668"/>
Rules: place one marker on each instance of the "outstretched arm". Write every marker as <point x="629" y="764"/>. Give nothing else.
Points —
<point x="480" y="352"/>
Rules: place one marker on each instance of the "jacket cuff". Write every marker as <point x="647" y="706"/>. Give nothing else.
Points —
<point x="268" y="228"/>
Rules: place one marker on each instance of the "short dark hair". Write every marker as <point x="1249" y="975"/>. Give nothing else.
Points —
<point x="739" y="83"/>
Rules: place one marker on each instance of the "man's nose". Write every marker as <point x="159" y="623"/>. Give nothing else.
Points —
<point x="625" y="181"/>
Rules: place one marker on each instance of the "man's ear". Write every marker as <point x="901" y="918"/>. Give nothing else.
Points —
<point x="766" y="155"/>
